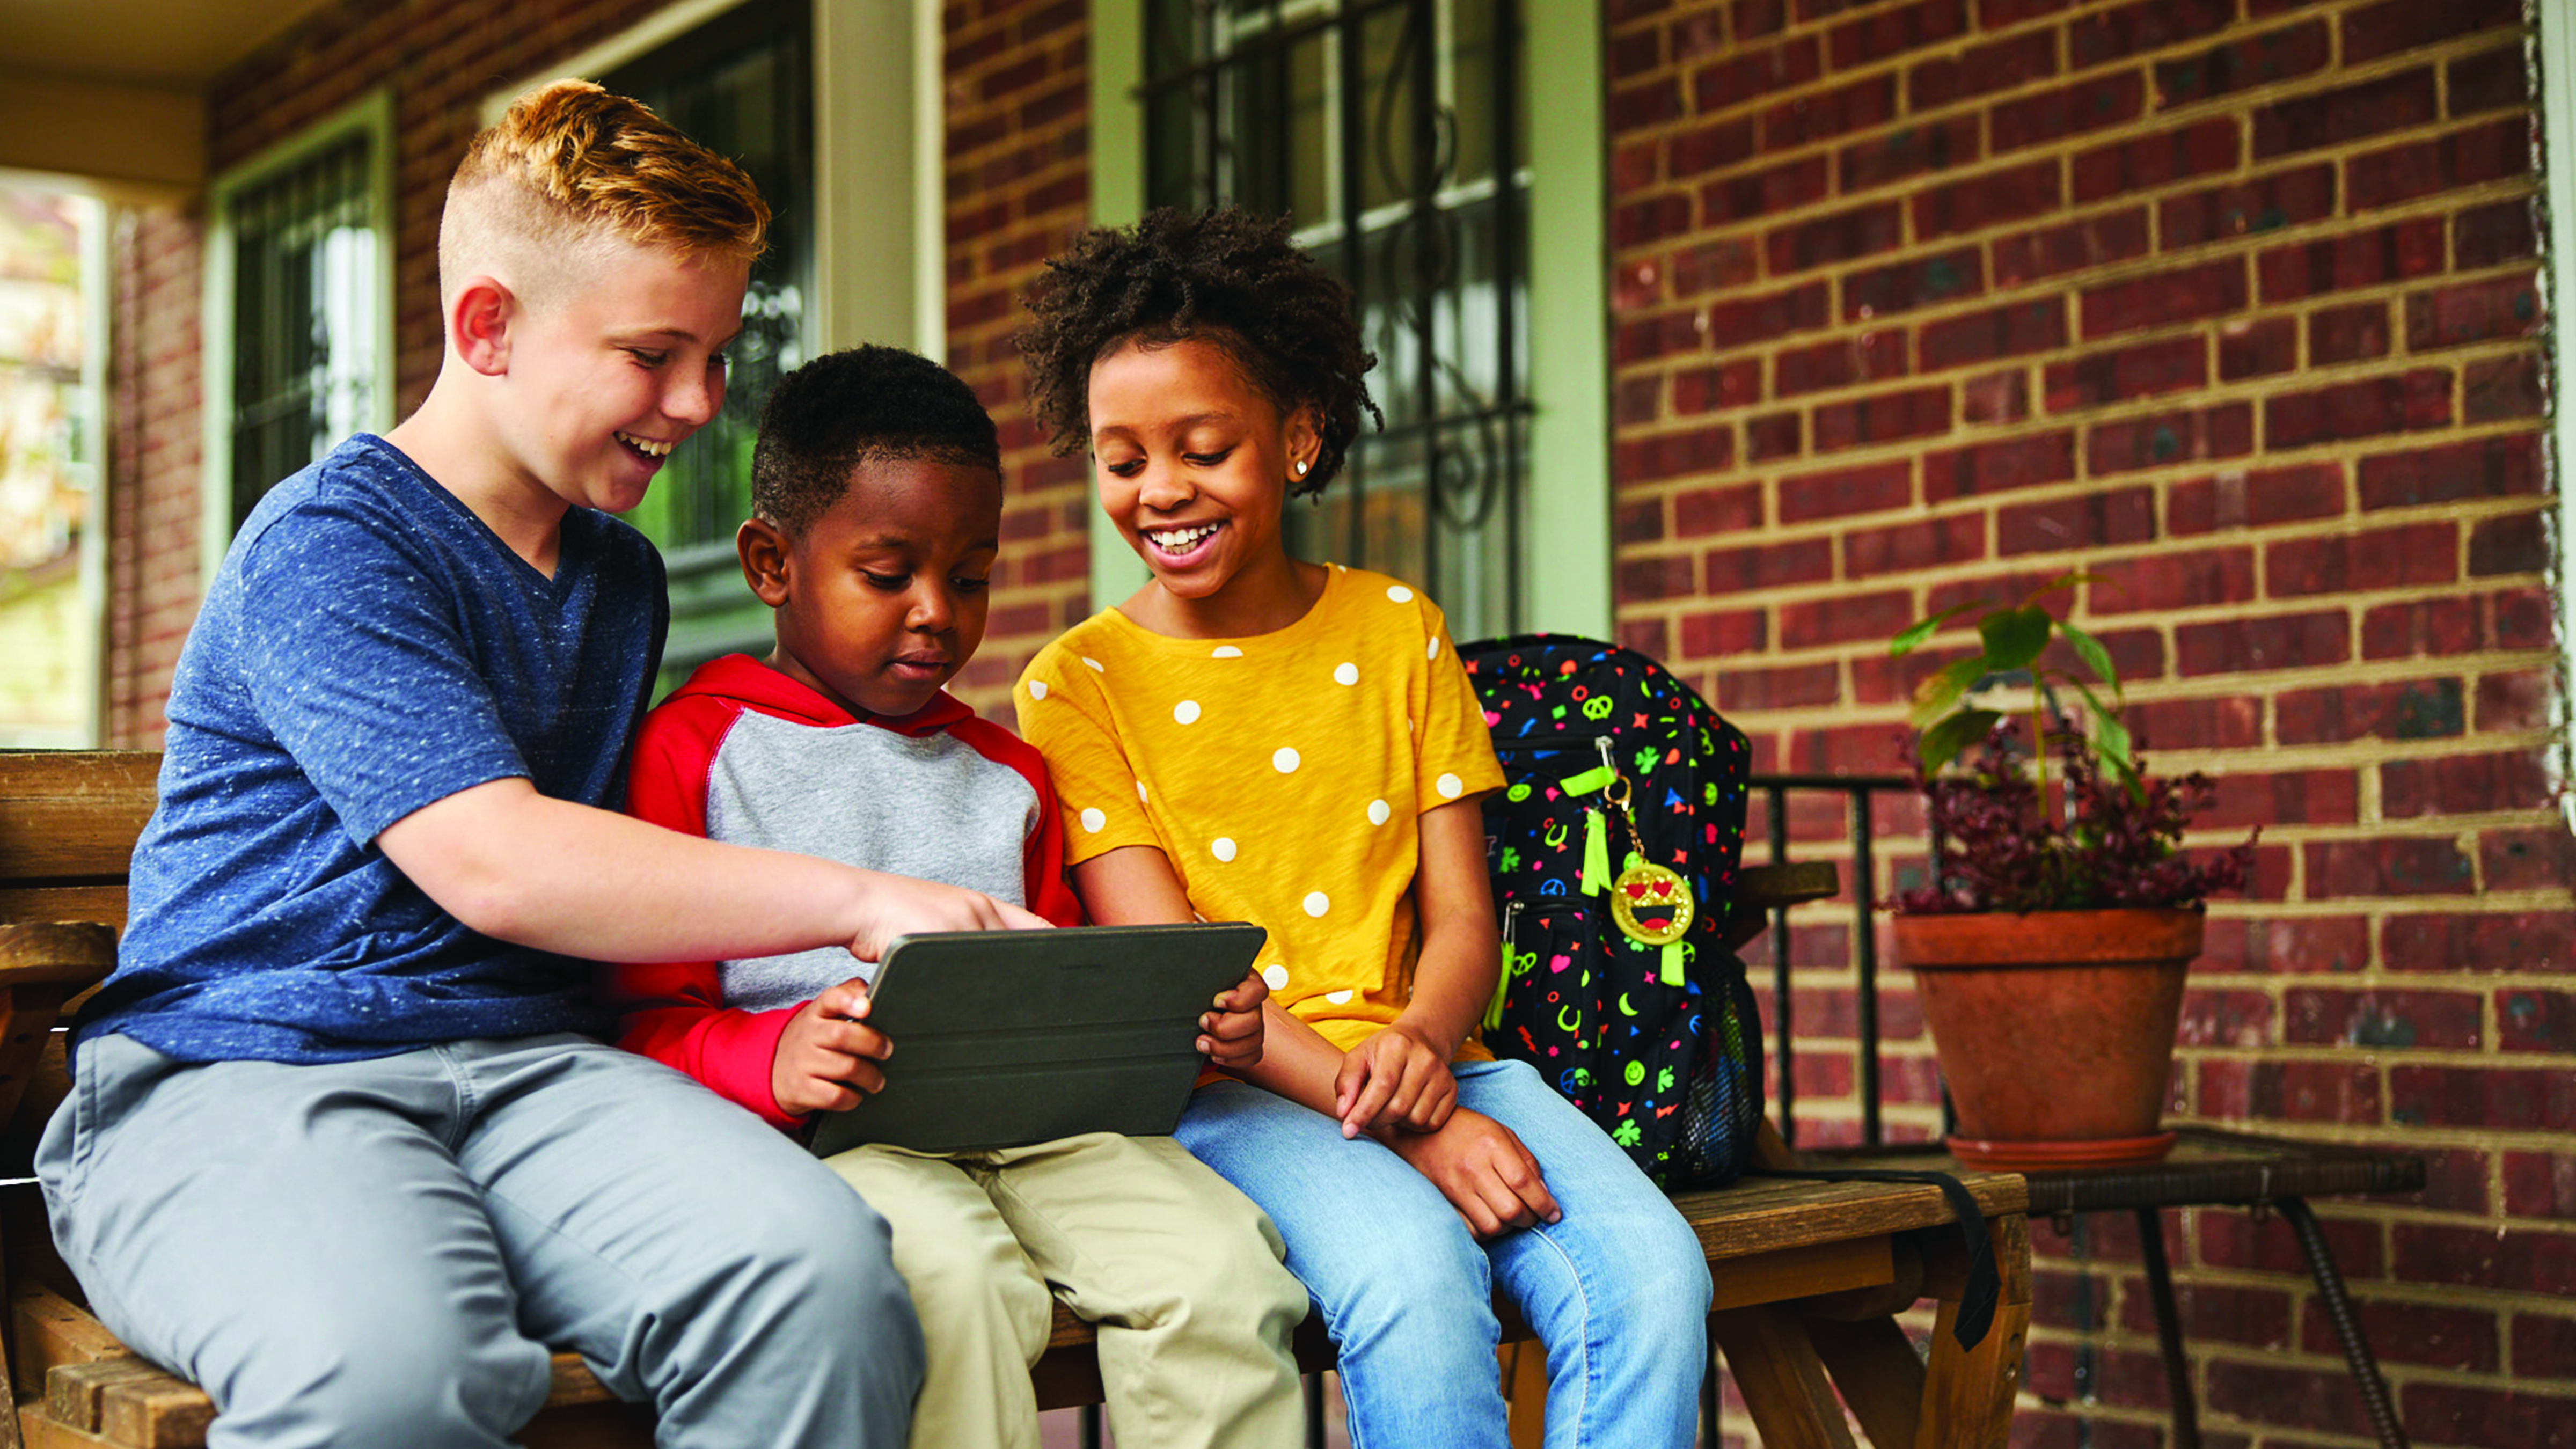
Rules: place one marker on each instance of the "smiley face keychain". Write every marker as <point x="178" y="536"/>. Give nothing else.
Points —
<point x="1644" y="886"/>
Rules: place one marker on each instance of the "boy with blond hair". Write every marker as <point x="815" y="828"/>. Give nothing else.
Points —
<point x="337" y="1146"/>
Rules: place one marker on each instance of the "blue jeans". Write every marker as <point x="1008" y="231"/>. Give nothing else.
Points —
<point x="379" y="1252"/>
<point x="1618" y="1291"/>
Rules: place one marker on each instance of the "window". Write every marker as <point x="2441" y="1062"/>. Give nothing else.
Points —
<point x="1394" y="136"/>
<point x="742" y="86"/>
<point x="299" y="273"/>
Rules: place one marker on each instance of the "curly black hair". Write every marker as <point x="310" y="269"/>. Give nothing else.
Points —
<point x="866" y="405"/>
<point x="1226" y="277"/>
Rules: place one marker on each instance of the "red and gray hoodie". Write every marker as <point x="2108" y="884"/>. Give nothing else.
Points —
<point x="746" y="755"/>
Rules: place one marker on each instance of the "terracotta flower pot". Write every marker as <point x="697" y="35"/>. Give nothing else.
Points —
<point x="2055" y="1030"/>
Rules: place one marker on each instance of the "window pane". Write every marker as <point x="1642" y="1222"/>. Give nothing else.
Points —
<point x="304" y="296"/>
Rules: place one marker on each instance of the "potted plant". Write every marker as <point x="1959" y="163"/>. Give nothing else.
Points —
<point x="2050" y="942"/>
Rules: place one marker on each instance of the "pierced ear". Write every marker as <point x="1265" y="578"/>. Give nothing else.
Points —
<point x="1305" y="444"/>
<point x="763" y="551"/>
<point x="479" y="322"/>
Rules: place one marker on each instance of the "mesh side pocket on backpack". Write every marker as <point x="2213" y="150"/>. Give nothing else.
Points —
<point x="1723" y="1108"/>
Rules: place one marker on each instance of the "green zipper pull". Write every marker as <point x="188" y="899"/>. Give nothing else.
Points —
<point x="1677" y="956"/>
<point x="1503" y="977"/>
<point x="1596" y="853"/>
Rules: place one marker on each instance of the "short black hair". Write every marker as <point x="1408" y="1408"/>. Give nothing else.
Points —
<point x="865" y="405"/>
<point x="1225" y="277"/>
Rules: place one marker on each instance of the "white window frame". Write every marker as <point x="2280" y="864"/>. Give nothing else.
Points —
<point x="374" y="116"/>
<point x="2556" y="51"/>
<point x="1569" y="589"/>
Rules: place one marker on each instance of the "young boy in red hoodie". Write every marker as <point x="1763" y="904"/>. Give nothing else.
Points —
<point x="877" y="498"/>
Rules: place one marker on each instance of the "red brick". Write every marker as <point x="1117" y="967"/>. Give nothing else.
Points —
<point x="2136" y="654"/>
<point x="1841" y="492"/>
<point x="2500" y="1098"/>
<point x="2240" y="1240"/>
<point x="2258" y="1317"/>
<point x="2087" y="105"/>
<point x="2426" y="553"/>
<point x="2516" y="701"/>
<point x="1892" y="32"/>
<point x="2257" y="499"/>
<point x="2160" y="299"/>
<point x="2260" y="60"/>
<point x="1740" y="322"/>
<point x="1827" y="365"/>
<point x="1780" y="188"/>
<point x="1999" y="14"/>
<point x="1741" y="77"/>
<point x="1908" y="152"/>
<point x="2495" y="389"/>
<point x="1770" y="566"/>
<point x="2150" y="161"/>
<point x="1643" y="580"/>
<point x="1635" y="53"/>
<point x="1995" y="397"/>
<point x="1823" y="115"/>
<point x="2502" y="467"/>
<point x="2533" y="1262"/>
<point x="2502" y="231"/>
<point x="1708" y="389"/>
<point x="1726" y="263"/>
<point x="2117" y="34"/>
<point x="2120" y="375"/>
<point x="2318" y="1016"/>
<point x="1786" y="687"/>
<point x="2416" y="400"/>
<point x="2493" y="1418"/>
<point x="2167" y="581"/>
<point x="2388" y="866"/>
<point x="2225" y="722"/>
<point x="2355" y="259"/>
<point x="2395" y="25"/>
<point x="2517" y="544"/>
<point x="2267" y="203"/>
<point x="2419" y="709"/>
<point x="1998" y="467"/>
<point x="2477" y="154"/>
<point x="1635" y="224"/>
<point x="2464" y="784"/>
<point x="2347" y="113"/>
<point x="2421" y="628"/>
<point x="2222" y="431"/>
<point x="2281" y="641"/>
<point x="2286" y="797"/>
<point x="2542" y="1185"/>
<point x="2012" y="330"/>
<point x="1648" y="338"/>
<point x="1882" y="418"/>
<point x="1995" y="66"/>
<point x="1706" y="148"/>
<point x="2090" y="520"/>
<point x="2491" y="81"/>
<point x="2312" y="1091"/>
<point x="2525" y="619"/>
<point x="1733" y="509"/>
<point x="1992" y="199"/>
<point x="1773" y="435"/>
<point x="2531" y="940"/>
<point x="2257" y="349"/>
<point x="1758" y="17"/>
<point x="2515" y="860"/>
<point x="2529" y="1020"/>
<point x="1914" y="545"/>
<point x="2353" y="333"/>
<point x="1673" y="455"/>
<point x="2422" y="1333"/>
<point x="2070" y="247"/>
<point x="1904" y="286"/>
<point x="2480" y="311"/>
<point x="1874" y="617"/>
<point x="1652" y="103"/>
<point x="1717" y="633"/>
<point x="1641" y="521"/>
<point x="1836" y="237"/>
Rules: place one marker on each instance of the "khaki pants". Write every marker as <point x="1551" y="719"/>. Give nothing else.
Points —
<point x="1179" y="1271"/>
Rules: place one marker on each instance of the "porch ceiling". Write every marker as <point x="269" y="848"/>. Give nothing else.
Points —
<point x="110" y="92"/>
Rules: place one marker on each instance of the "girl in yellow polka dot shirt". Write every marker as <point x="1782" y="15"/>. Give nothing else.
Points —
<point x="1252" y="736"/>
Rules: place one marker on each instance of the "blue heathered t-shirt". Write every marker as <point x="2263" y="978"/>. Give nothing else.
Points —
<point x="370" y="647"/>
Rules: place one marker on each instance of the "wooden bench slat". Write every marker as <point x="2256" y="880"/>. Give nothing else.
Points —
<point x="73" y="814"/>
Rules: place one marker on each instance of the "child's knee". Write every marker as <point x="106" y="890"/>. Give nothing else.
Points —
<point x="425" y="1383"/>
<point x="969" y="1285"/>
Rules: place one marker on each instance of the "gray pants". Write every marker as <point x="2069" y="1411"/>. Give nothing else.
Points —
<point x="379" y="1253"/>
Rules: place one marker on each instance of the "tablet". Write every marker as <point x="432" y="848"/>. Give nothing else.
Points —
<point x="1004" y="1038"/>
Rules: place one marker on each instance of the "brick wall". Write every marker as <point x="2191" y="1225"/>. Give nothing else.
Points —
<point x="153" y="443"/>
<point x="2234" y="303"/>
<point x="1018" y="188"/>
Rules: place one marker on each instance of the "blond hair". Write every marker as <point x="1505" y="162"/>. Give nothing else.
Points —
<point x="569" y="168"/>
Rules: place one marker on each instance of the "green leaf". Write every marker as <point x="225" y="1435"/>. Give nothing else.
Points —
<point x="2014" y="637"/>
<point x="1934" y="697"/>
<point x="1914" y="635"/>
<point x="2090" y="650"/>
<point x="2061" y="584"/>
<point x="2111" y="741"/>
<point x="1942" y="743"/>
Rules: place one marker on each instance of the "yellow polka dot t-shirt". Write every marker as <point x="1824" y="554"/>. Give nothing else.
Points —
<point x="1282" y="774"/>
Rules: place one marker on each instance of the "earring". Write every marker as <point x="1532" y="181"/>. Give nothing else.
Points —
<point x="1301" y="467"/>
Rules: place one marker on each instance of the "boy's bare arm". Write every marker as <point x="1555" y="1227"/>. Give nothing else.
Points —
<point x="536" y="871"/>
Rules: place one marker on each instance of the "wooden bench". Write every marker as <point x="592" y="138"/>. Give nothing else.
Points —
<point x="1807" y="1274"/>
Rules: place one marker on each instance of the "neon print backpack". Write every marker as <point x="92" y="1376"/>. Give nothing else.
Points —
<point x="1615" y="984"/>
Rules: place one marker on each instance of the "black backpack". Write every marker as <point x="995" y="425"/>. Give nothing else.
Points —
<point x="1615" y="984"/>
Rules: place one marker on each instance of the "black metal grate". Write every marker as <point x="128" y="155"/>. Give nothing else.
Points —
<point x="305" y="285"/>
